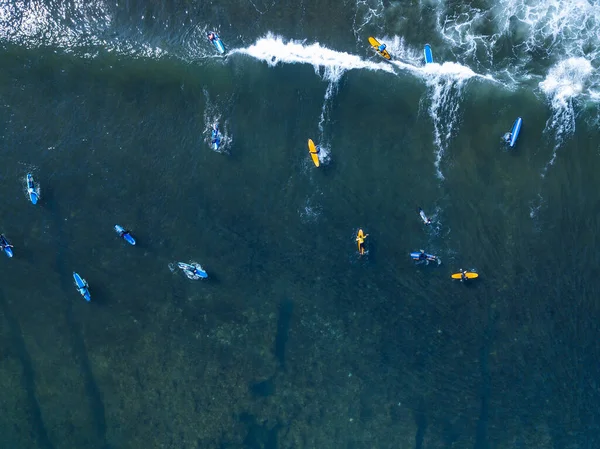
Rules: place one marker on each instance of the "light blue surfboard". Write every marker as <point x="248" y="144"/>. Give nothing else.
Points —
<point x="428" y="54"/>
<point x="82" y="286"/>
<point x="514" y="133"/>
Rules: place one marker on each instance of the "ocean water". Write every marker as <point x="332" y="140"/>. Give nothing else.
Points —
<point x="295" y="341"/>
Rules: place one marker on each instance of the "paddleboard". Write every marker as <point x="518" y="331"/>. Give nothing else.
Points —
<point x="375" y="44"/>
<point x="7" y="249"/>
<point x="416" y="255"/>
<point x="428" y="54"/>
<point x="424" y="217"/>
<point x="193" y="269"/>
<point x="469" y="274"/>
<point x="514" y="134"/>
<point x="217" y="43"/>
<point x="82" y="286"/>
<point x="361" y="247"/>
<point x="128" y="237"/>
<point x="33" y="197"/>
<point x="314" y="154"/>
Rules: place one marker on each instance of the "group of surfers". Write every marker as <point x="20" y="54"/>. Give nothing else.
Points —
<point x="315" y="151"/>
<point x="421" y="256"/>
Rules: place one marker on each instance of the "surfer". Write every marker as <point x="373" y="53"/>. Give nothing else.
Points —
<point x="4" y="243"/>
<point x="30" y="184"/>
<point x="382" y="48"/>
<point x="463" y="275"/>
<point x="360" y="239"/>
<point x="211" y="36"/>
<point x="422" y="255"/>
<point x="200" y="273"/>
<point x="215" y="133"/>
<point x="424" y="217"/>
<point x="511" y="137"/>
<point x="314" y="151"/>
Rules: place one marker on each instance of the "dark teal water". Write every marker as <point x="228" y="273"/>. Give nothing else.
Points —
<point x="294" y="341"/>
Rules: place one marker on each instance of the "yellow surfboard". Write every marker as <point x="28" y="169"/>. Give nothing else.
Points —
<point x="360" y="241"/>
<point x="312" y="149"/>
<point x="469" y="274"/>
<point x="375" y="44"/>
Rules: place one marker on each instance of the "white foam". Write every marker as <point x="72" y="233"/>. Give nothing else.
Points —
<point x="556" y="29"/>
<point x="58" y="23"/>
<point x="365" y="13"/>
<point x="567" y="25"/>
<point x="328" y="64"/>
<point x="565" y="82"/>
<point x="445" y="83"/>
<point x="71" y="26"/>
<point x="310" y="212"/>
<point x="460" y="28"/>
<point x="331" y="90"/>
<point x="173" y="267"/>
<point x="213" y="115"/>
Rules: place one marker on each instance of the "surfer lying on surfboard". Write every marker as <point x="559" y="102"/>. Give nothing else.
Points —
<point x="6" y="246"/>
<point x="511" y="137"/>
<point x="421" y="256"/>
<point x="424" y="217"/>
<point x="314" y="151"/>
<point x="215" y="141"/>
<point x="465" y="275"/>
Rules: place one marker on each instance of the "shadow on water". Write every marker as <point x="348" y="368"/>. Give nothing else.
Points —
<point x="421" y="422"/>
<point x="77" y="341"/>
<point x="259" y="436"/>
<point x="18" y="344"/>
<point x="263" y="389"/>
<point x="450" y="435"/>
<point x="286" y="309"/>
<point x="213" y="279"/>
<point x="97" y="292"/>
<point x="481" y="437"/>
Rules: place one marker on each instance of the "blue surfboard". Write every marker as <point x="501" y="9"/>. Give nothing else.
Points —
<point x="514" y="133"/>
<point x="217" y="42"/>
<point x="33" y="196"/>
<point x="125" y="234"/>
<point x="428" y="54"/>
<point x="195" y="271"/>
<point x="216" y="138"/>
<point x="82" y="286"/>
<point x="416" y="255"/>
<point x="7" y="249"/>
